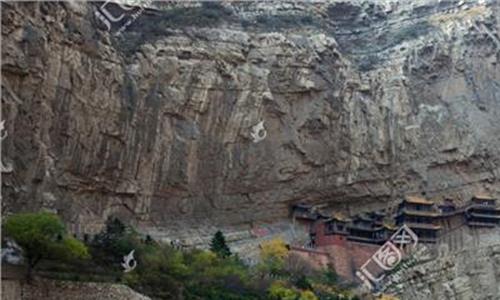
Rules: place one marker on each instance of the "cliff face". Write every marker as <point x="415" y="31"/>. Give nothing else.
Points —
<point x="361" y="102"/>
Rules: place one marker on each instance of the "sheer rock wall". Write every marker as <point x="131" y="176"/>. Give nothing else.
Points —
<point x="362" y="102"/>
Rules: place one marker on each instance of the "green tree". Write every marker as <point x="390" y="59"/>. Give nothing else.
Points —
<point x="114" y="241"/>
<point x="303" y="283"/>
<point x="218" y="245"/>
<point x="115" y="230"/>
<point x="330" y="275"/>
<point x="43" y="236"/>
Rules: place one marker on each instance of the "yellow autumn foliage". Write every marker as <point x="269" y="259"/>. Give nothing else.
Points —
<point x="387" y="297"/>
<point x="274" y="249"/>
<point x="307" y="295"/>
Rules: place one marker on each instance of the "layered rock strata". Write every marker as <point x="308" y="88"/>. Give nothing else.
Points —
<point x="362" y="102"/>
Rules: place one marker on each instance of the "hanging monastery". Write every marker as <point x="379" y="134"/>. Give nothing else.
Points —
<point x="348" y="241"/>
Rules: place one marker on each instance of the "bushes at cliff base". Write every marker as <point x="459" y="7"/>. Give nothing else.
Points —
<point x="42" y="236"/>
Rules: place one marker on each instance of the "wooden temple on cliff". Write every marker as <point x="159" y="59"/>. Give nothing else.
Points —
<point x="424" y="217"/>
<point x="369" y="228"/>
<point x="421" y="216"/>
<point x="482" y="212"/>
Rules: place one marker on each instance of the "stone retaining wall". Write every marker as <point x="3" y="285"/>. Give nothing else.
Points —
<point x="46" y="289"/>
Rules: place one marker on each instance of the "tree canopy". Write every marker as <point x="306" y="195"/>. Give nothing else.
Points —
<point x="43" y="235"/>
<point x="218" y="245"/>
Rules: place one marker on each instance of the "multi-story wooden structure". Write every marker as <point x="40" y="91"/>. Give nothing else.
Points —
<point x="421" y="216"/>
<point x="482" y="212"/>
<point x="337" y="224"/>
<point x="368" y="228"/>
<point x="330" y="231"/>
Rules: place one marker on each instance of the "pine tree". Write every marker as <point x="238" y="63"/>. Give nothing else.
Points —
<point x="218" y="245"/>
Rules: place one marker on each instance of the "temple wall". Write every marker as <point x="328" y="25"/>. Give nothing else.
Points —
<point x="348" y="256"/>
<point x="318" y="259"/>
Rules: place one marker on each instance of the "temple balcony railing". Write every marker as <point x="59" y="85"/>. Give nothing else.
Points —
<point x="474" y="223"/>
<point x="472" y="205"/>
<point x="363" y="228"/>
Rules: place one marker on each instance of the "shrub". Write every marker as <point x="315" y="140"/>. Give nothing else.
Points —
<point x="42" y="235"/>
<point x="165" y="272"/>
<point x="303" y="283"/>
<point x="278" y="291"/>
<point x="208" y="271"/>
<point x="330" y="275"/>
<point x="307" y="295"/>
<point x="297" y="266"/>
<point x="70" y="248"/>
<point x="160" y="271"/>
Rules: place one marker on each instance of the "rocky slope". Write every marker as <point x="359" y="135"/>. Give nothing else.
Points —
<point x="467" y="268"/>
<point x="361" y="101"/>
<point x="54" y="290"/>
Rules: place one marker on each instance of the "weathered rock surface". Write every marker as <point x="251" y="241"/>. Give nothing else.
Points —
<point x="362" y="102"/>
<point x="470" y="270"/>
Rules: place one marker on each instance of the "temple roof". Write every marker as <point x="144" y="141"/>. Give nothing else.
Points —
<point x="418" y="200"/>
<point x="484" y="196"/>
<point x="340" y="217"/>
<point x="389" y="226"/>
